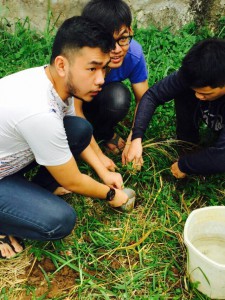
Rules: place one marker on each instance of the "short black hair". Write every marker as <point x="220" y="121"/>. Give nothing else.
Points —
<point x="204" y="64"/>
<point x="112" y="14"/>
<point x="78" y="32"/>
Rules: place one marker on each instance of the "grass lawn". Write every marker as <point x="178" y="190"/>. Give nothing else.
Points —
<point x="113" y="255"/>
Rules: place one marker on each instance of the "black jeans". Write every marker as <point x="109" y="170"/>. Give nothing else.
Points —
<point x="107" y="109"/>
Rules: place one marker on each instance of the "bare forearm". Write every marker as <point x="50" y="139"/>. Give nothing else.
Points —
<point x="91" y="158"/>
<point x="79" y="111"/>
<point x="130" y="134"/>
<point x="94" y="145"/>
<point x="69" y="177"/>
<point x="87" y="186"/>
<point x="139" y="90"/>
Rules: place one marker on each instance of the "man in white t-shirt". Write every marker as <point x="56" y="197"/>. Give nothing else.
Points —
<point x="38" y="126"/>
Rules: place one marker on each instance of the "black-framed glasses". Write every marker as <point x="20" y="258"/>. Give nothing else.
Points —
<point x="124" y="40"/>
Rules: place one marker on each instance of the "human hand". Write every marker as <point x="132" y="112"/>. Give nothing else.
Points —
<point x="59" y="191"/>
<point x="107" y="162"/>
<point x="133" y="153"/>
<point x="120" y="198"/>
<point x="113" y="179"/>
<point x="176" y="171"/>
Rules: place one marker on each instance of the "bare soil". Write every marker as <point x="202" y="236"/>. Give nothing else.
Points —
<point x="43" y="280"/>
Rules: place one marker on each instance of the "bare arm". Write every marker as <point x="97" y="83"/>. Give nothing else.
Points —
<point x="108" y="177"/>
<point x="79" y="112"/>
<point x="107" y="162"/>
<point x="139" y="89"/>
<point x="69" y="176"/>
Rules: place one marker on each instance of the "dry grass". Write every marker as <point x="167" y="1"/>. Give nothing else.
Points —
<point x="12" y="271"/>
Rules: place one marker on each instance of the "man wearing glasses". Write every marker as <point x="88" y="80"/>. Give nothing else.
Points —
<point x="127" y="61"/>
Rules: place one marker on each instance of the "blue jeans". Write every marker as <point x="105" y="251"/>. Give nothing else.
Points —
<point x="29" y="209"/>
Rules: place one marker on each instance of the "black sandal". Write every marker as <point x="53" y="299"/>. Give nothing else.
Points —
<point x="114" y="141"/>
<point x="6" y="240"/>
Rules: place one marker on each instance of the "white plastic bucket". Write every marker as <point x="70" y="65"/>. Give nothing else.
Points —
<point x="204" y="236"/>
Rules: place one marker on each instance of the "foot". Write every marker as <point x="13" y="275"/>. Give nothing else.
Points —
<point x="6" y="250"/>
<point x="60" y="191"/>
<point x="116" y="144"/>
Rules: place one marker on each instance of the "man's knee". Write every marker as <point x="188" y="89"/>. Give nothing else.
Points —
<point x="61" y="225"/>
<point x="116" y="96"/>
<point x="79" y="132"/>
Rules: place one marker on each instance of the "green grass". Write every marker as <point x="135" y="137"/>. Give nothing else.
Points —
<point x="127" y="256"/>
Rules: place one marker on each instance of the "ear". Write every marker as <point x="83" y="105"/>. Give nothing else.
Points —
<point x="61" y="65"/>
<point x="131" y="31"/>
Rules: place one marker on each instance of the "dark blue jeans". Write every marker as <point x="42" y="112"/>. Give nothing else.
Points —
<point x="107" y="109"/>
<point x="29" y="209"/>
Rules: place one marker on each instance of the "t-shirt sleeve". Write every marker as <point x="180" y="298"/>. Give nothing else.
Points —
<point x="46" y="136"/>
<point x="139" y="72"/>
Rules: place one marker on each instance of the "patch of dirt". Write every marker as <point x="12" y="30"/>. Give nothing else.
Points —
<point x="44" y="281"/>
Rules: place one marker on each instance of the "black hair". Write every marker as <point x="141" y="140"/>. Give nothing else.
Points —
<point x="204" y="64"/>
<point x="78" y="32"/>
<point x="112" y="14"/>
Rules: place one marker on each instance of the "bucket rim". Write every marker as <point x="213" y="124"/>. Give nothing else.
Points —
<point x="187" y="241"/>
<point x="197" y="210"/>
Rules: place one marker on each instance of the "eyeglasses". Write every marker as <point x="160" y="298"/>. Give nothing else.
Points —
<point x="124" y="40"/>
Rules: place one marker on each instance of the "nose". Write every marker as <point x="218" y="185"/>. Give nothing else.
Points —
<point x="100" y="77"/>
<point x="199" y="96"/>
<point x="117" y="48"/>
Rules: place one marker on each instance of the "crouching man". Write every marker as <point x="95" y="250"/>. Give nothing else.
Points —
<point x="198" y="88"/>
<point x="39" y="126"/>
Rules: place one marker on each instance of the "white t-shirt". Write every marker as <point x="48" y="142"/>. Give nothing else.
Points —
<point x="31" y="122"/>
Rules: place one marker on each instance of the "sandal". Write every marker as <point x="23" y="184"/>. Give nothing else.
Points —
<point x="6" y="240"/>
<point x="114" y="141"/>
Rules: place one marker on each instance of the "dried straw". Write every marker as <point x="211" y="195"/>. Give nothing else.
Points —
<point x="13" y="271"/>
